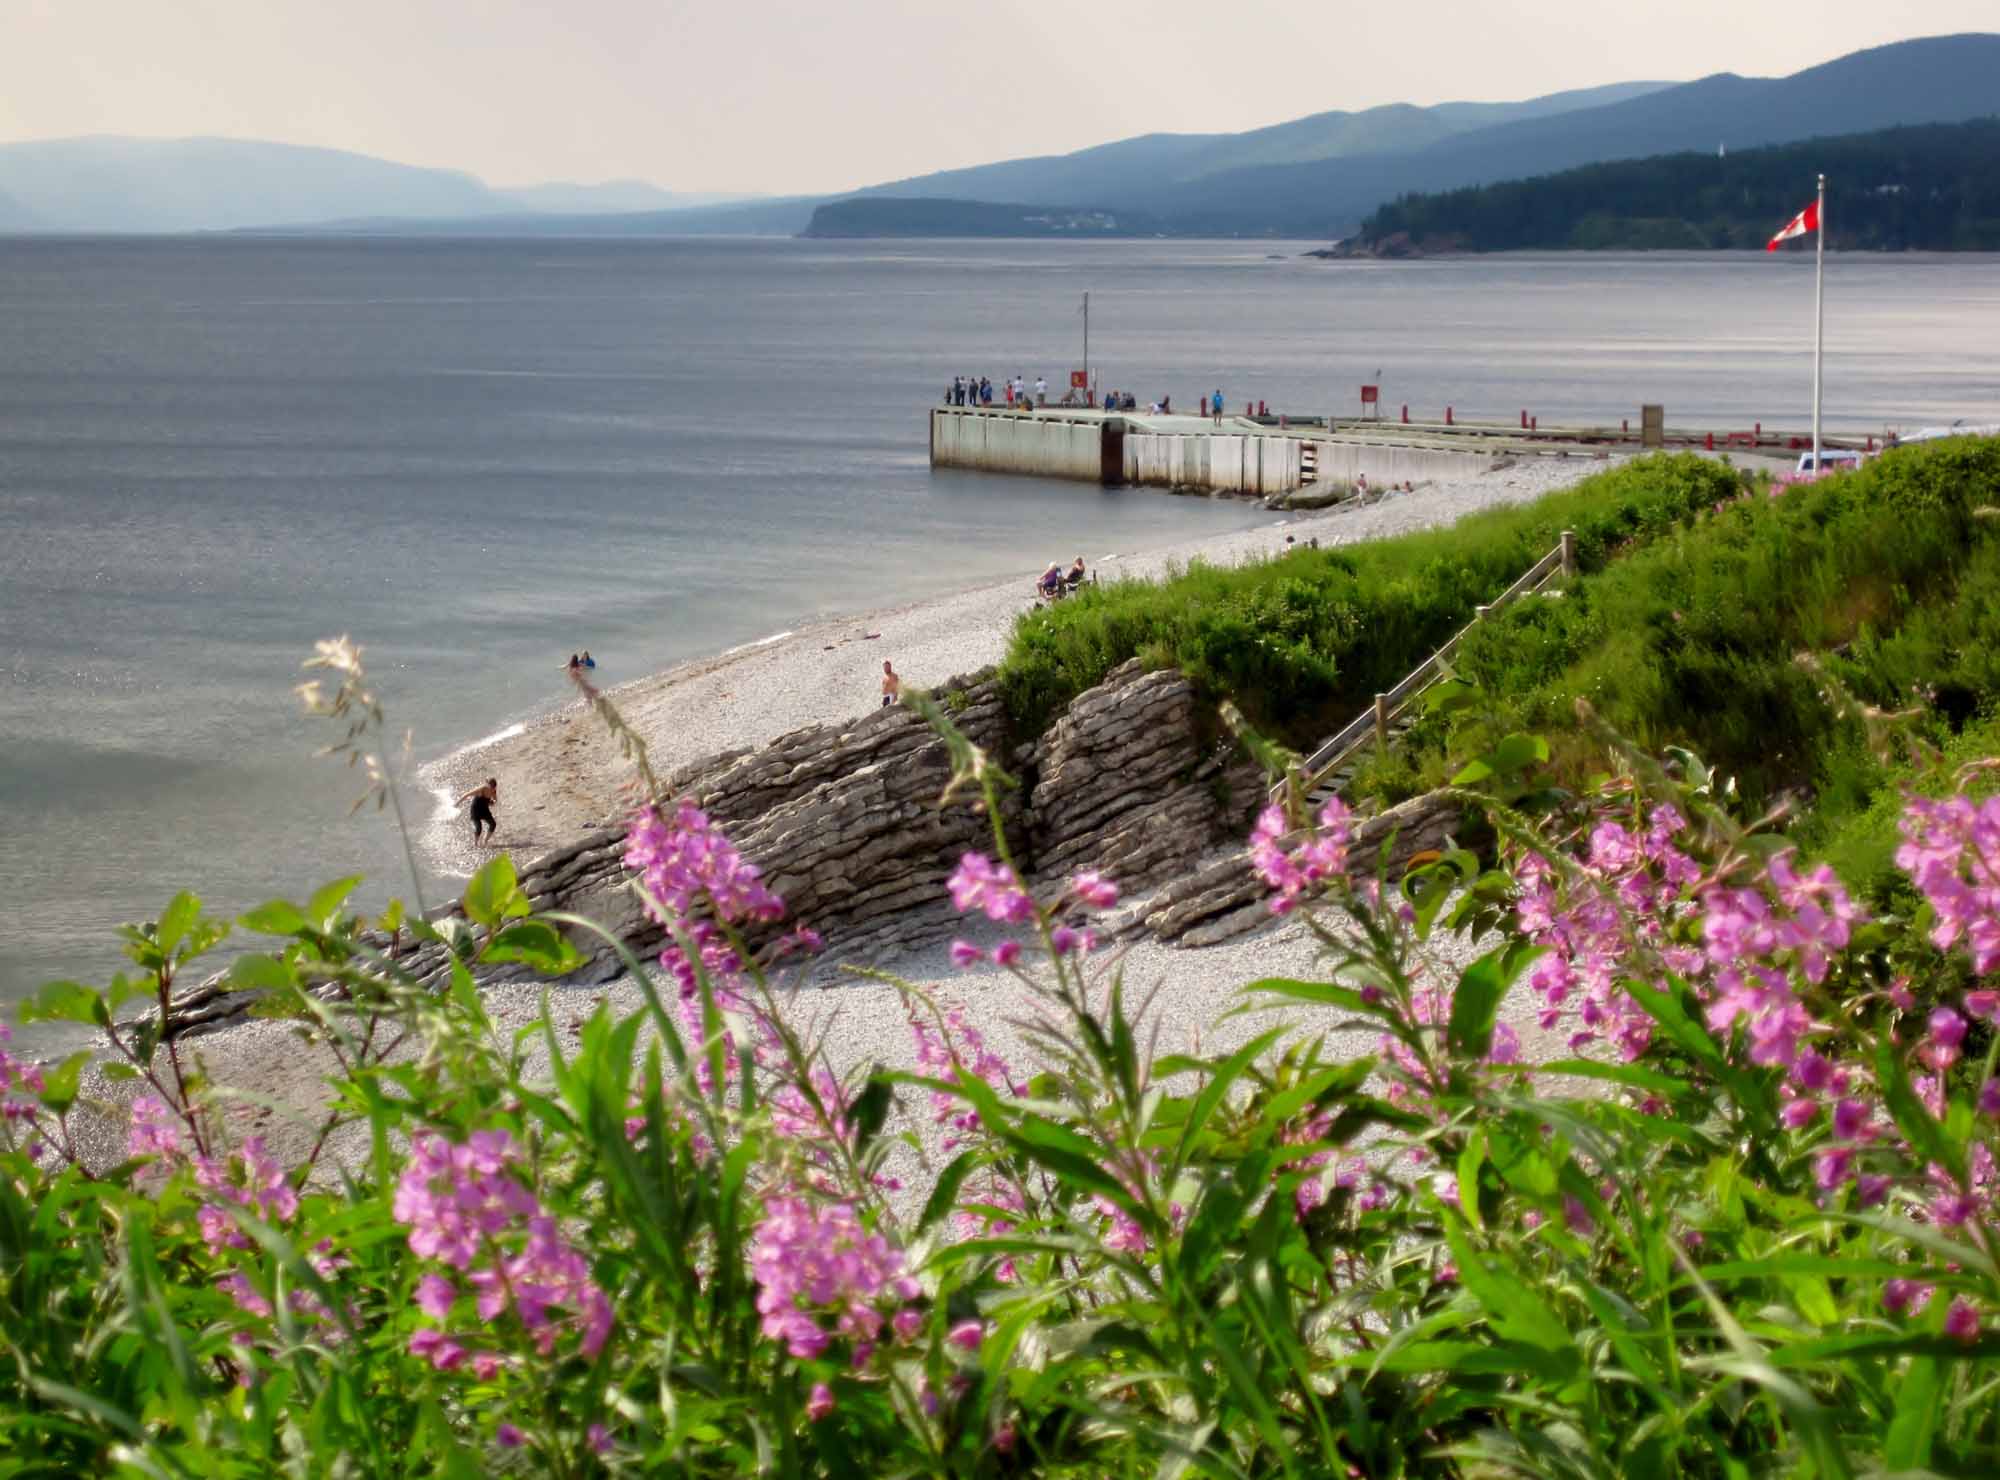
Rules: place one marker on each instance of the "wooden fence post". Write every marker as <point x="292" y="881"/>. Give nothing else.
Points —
<point x="1569" y="553"/>
<point x="1382" y="723"/>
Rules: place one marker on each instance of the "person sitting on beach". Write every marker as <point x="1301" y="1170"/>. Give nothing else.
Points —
<point x="484" y="799"/>
<point x="1051" y="583"/>
<point x="892" y="685"/>
<point x="1076" y="574"/>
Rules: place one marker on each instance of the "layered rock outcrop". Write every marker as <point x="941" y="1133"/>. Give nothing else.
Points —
<point x="851" y="827"/>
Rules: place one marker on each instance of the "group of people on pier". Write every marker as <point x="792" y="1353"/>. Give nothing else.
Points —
<point x="977" y="390"/>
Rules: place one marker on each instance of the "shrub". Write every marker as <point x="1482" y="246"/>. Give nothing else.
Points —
<point x="1303" y="641"/>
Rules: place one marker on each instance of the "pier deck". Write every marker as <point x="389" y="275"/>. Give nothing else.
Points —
<point x="1281" y="455"/>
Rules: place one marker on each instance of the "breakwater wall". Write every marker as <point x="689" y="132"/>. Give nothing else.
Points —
<point x="1232" y="456"/>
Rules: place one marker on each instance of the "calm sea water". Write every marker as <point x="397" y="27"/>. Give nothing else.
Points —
<point x="477" y="457"/>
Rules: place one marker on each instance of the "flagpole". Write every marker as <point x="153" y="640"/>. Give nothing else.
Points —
<point x="1819" y="318"/>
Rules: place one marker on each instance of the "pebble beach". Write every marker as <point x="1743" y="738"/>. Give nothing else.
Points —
<point x="561" y="775"/>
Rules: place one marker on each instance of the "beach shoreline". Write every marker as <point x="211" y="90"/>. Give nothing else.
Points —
<point x="562" y="776"/>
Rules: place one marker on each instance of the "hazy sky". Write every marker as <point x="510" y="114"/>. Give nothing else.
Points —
<point x="771" y="95"/>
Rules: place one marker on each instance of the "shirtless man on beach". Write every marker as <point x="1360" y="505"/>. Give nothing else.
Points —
<point x="892" y="685"/>
<point x="484" y="799"/>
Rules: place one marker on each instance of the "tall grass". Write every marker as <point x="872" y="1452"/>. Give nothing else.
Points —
<point x="1306" y="639"/>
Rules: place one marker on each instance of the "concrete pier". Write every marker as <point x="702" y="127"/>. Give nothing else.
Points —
<point x="1234" y="455"/>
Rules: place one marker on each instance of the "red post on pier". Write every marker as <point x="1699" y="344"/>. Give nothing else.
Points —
<point x="1625" y="426"/>
<point x="1709" y="445"/>
<point x="1447" y="416"/>
<point x="1534" y="423"/>
<point x="1524" y="421"/>
<point x="1871" y="441"/>
<point x="1759" y="433"/>
<point x="1406" y="413"/>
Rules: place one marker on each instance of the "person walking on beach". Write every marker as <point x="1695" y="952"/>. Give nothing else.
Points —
<point x="892" y="685"/>
<point x="484" y="799"/>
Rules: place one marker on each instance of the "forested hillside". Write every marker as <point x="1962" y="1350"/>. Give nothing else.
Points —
<point x="1934" y="188"/>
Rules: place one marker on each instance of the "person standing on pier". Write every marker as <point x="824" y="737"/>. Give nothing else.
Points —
<point x="1216" y="405"/>
<point x="1041" y="390"/>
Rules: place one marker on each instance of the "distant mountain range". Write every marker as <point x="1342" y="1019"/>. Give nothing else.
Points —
<point x="112" y="184"/>
<point x="1930" y="188"/>
<point x="1315" y="177"/>
<point x="1943" y="79"/>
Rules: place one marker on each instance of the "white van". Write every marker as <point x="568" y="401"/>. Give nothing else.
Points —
<point x="1830" y="460"/>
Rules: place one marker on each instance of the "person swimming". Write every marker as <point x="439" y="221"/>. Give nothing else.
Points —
<point x="484" y="799"/>
<point x="588" y="661"/>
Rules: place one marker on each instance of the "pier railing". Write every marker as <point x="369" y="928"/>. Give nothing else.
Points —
<point x="1377" y="724"/>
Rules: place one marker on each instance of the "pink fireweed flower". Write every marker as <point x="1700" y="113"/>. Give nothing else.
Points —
<point x="1984" y="1005"/>
<point x="1832" y="1165"/>
<point x="953" y="1048"/>
<point x="1007" y="953"/>
<point x="1320" y="857"/>
<point x="966" y="1335"/>
<point x="507" y="1436"/>
<point x="1905" y="1297"/>
<point x="1851" y="1121"/>
<point x="686" y="868"/>
<point x="249" y="1178"/>
<point x="1961" y="1321"/>
<point x="1798" y="1113"/>
<point x="817" y="1263"/>
<point x="1093" y="889"/>
<point x="155" y="1129"/>
<point x="465" y="1207"/>
<point x="435" y="1295"/>
<point x="1951" y="851"/>
<point x="1989" y="1098"/>
<point x="965" y="953"/>
<point x="1871" y="1190"/>
<point x="819" y="1403"/>
<point x="1947" y="1032"/>
<point x="980" y="884"/>
<point x="438" y="1349"/>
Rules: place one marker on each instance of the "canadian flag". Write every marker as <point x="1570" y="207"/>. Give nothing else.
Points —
<point x="1799" y="225"/>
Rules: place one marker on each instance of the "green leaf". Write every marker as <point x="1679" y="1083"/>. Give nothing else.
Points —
<point x="1472" y="773"/>
<point x="1630" y="1075"/>
<point x="1517" y="1312"/>
<point x="1517" y="752"/>
<point x="181" y="912"/>
<point x="494" y="893"/>
<point x="59" y="1085"/>
<point x="869" y="1111"/>
<point x="65" y="1002"/>
<point x="257" y="972"/>
<point x="944" y="1196"/>
<point x="1469" y="1162"/>
<point x="327" y="900"/>
<point x="1919" y="1397"/>
<point x="1476" y="1004"/>
<point x="1217" y="1088"/>
<point x="1325" y="993"/>
<point x="275" y="917"/>
<point x="535" y="944"/>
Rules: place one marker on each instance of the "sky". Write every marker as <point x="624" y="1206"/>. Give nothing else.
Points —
<point x="778" y="97"/>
